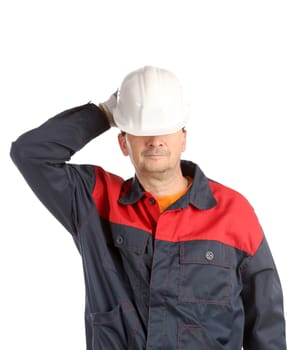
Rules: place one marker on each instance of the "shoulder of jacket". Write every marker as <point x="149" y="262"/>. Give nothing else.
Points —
<point x="240" y="218"/>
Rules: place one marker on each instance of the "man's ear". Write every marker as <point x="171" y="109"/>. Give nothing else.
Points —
<point x="184" y="140"/>
<point x="123" y="143"/>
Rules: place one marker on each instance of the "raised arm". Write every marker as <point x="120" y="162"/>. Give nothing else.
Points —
<point x="41" y="156"/>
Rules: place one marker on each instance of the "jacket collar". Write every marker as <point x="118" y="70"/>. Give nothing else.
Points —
<point x="199" y="195"/>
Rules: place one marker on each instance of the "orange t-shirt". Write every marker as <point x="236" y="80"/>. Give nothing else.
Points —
<point x="166" y="201"/>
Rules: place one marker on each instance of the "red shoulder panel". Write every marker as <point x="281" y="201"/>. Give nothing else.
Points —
<point x="232" y="222"/>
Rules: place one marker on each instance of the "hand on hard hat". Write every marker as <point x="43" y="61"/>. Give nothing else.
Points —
<point x="108" y="106"/>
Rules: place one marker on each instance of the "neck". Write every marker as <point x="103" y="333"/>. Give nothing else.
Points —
<point x="160" y="185"/>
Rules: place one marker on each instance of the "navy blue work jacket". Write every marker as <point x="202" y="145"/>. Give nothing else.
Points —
<point x="198" y="276"/>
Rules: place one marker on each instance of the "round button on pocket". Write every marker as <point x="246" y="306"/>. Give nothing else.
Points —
<point x="209" y="255"/>
<point x="120" y="239"/>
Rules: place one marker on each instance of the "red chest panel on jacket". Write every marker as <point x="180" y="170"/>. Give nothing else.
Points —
<point x="232" y="221"/>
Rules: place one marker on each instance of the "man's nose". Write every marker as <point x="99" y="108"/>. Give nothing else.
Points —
<point x="155" y="141"/>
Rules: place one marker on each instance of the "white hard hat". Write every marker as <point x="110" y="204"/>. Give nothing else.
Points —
<point x="150" y="102"/>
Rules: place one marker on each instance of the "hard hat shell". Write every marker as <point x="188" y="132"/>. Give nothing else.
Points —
<point x="150" y="102"/>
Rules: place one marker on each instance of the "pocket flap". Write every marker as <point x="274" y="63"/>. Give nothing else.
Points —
<point x="100" y="318"/>
<point x="129" y="238"/>
<point x="205" y="252"/>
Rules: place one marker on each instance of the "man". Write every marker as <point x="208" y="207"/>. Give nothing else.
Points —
<point x="172" y="260"/>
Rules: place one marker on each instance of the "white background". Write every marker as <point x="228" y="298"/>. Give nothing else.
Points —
<point x="230" y="56"/>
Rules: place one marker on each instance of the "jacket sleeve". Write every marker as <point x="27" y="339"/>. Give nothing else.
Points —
<point x="263" y="303"/>
<point x="41" y="155"/>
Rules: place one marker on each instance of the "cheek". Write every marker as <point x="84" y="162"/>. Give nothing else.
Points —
<point x="178" y="146"/>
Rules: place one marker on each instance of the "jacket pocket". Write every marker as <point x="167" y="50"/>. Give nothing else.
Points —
<point x="126" y="256"/>
<point x="191" y="336"/>
<point x="115" y="329"/>
<point x="205" y="272"/>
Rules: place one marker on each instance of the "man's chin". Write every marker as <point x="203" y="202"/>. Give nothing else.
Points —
<point x="155" y="168"/>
